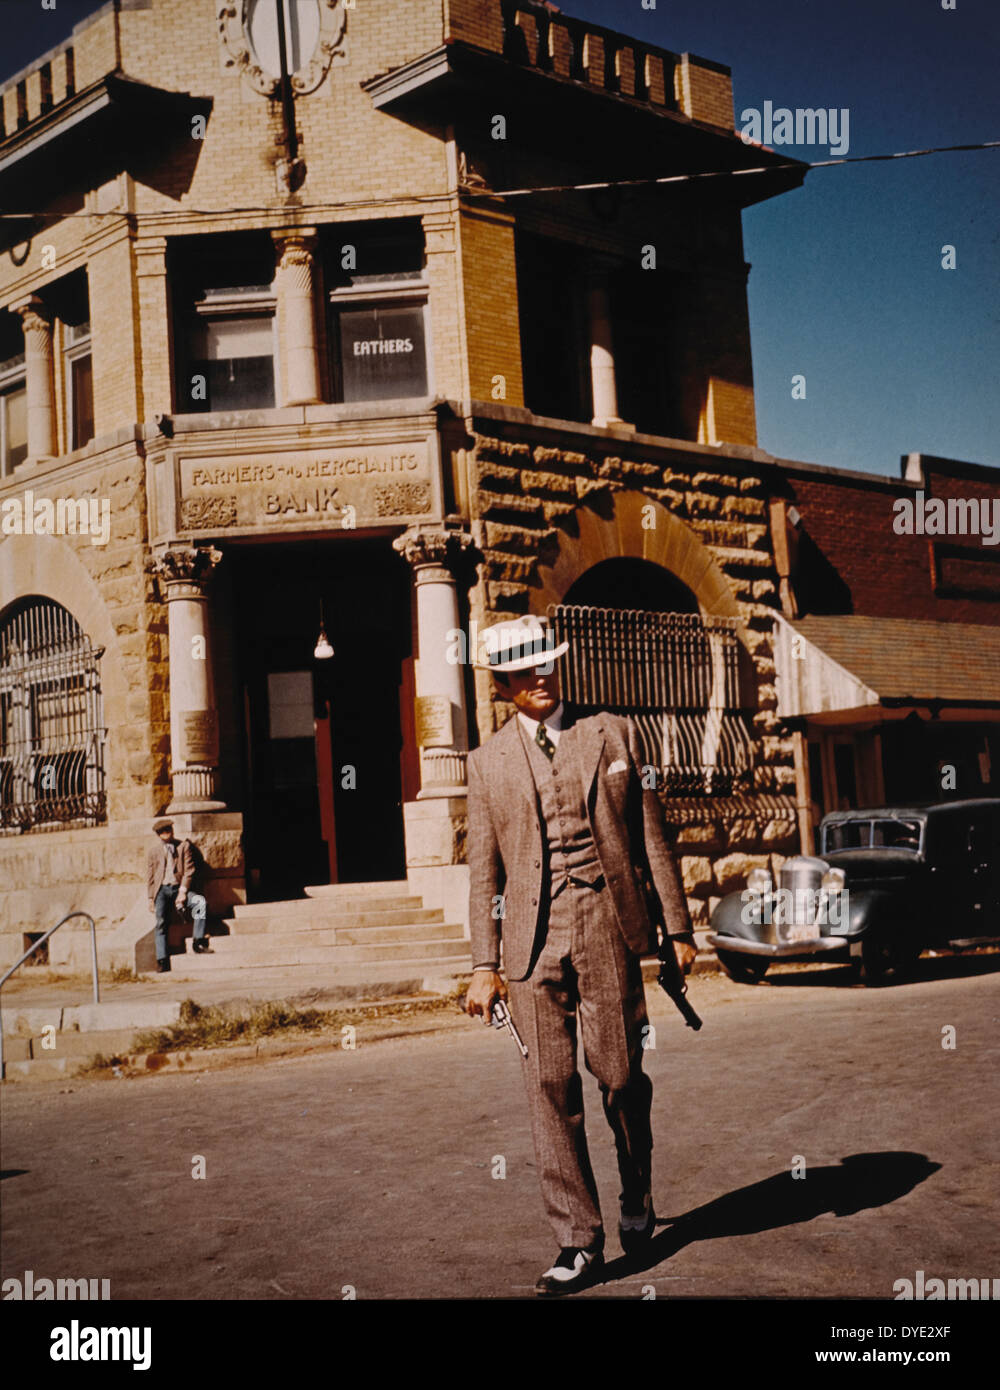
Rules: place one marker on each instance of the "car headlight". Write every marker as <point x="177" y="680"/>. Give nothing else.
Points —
<point x="759" y="881"/>
<point x="833" y="880"/>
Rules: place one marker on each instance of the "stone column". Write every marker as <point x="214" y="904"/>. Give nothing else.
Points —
<point x="441" y="721"/>
<point x="300" y="383"/>
<point x="184" y="573"/>
<point x="602" y="356"/>
<point x="39" y="379"/>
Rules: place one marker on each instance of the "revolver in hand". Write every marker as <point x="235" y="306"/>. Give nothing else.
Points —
<point x="502" y="1019"/>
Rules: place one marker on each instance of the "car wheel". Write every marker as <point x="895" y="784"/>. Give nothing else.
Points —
<point x="745" y="970"/>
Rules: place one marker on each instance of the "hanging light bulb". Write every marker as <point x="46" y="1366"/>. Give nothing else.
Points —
<point x="322" y="650"/>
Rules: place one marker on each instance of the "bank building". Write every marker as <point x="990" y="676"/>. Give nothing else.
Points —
<point x="316" y="351"/>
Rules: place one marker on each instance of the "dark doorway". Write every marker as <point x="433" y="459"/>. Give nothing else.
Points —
<point x="322" y="738"/>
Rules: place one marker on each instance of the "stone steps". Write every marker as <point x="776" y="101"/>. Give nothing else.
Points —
<point x="292" y="949"/>
<point x="391" y="888"/>
<point x="323" y="932"/>
<point x="343" y="926"/>
<point x="406" y="908"/>
<point x="278" y="918"/>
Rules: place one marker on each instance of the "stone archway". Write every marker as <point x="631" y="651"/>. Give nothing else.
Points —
<point x="638" y="527"/>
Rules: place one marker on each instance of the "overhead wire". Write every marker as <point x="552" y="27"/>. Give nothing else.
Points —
<point x="470" y="191"/>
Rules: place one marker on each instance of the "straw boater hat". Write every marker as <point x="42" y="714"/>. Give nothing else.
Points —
<point x="519" y="645"/>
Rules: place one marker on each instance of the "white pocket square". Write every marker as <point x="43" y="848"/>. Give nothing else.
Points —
<point x="619" y="765"/>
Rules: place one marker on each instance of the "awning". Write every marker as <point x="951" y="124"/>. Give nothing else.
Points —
<point x="848" y="663"/>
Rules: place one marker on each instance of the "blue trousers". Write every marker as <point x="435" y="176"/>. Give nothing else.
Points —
<point x="165" y="899"/>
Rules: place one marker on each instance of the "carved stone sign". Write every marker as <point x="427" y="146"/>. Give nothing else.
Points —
<point x="349" y="487"/>
<point x="433" y="718"/>
<point x="200" y="730"/>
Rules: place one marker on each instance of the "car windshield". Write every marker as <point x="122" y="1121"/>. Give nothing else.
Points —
<point x="871" y="834"/>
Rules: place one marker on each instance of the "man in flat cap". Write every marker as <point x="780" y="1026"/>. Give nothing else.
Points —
<point x="571" y="871"/>
<point x="170" y="873"/>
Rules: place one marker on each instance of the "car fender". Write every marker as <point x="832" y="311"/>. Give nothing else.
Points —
<point x="728" y="917"/>
<point x="875" y="910"/>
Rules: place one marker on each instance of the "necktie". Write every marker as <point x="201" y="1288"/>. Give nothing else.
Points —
<point x="544" y="742"/>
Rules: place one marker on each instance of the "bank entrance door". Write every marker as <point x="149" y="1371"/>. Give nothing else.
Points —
<point x="325" y="765"/>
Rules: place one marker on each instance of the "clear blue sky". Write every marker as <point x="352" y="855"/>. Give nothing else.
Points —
<point x="847" y="287"/>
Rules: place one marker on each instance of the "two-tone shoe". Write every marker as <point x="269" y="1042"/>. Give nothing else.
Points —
<point x="575" y="1269"/>
<point x="636" y="1227"/>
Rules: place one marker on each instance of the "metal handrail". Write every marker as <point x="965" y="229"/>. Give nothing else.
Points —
<point x="41" y="942"/>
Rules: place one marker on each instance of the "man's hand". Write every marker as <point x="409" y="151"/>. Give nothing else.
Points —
<point x="686" y="955"/>
<point x="485" y="988"/>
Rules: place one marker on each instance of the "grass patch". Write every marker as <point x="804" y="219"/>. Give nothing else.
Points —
<point x="120" y="975"/>
<point x="210" y="1025"/>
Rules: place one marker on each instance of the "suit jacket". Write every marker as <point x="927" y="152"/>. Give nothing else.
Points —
<point x="157" y="865"/>
<point x="507" y="853"/>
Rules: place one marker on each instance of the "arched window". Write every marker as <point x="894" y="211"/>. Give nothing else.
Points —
<point x="52" y="731"/>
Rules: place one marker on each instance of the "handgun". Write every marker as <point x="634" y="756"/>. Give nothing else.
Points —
<point x="502" y="1019"/>
<point x="672" y="982"/>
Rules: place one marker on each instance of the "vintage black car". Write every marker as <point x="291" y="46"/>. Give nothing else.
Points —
<point x="890" y="883"/>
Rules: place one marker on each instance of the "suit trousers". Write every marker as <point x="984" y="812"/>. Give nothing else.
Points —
<point x="586" y="972"/>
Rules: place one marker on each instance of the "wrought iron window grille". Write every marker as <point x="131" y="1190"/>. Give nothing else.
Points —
<point x="683" y="679"/>
<point x="52" y="736"/>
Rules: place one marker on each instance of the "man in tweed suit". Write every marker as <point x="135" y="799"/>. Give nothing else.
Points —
<point x="571" y="871"/>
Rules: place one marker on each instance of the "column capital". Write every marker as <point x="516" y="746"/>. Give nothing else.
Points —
<point x="294" y="245"/>
<point x="185" y="571"/>
<point x="34" y="313"/>
<point x="443" y="547"/>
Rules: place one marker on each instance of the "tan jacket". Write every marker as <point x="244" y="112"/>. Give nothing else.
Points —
<point x="506" y="847"/>
<point x="158" y="864"/>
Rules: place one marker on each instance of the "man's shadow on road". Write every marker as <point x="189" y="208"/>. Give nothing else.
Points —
<point x="862" y="1180"/>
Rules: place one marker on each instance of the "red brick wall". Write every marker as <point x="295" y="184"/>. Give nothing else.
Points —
<point x="889" y="575"/>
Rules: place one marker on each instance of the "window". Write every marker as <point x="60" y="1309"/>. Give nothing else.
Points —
<point x="51" y="720"/>
<point x="79" y="385"/>
<point x="381" y="352"/>
<point x="869" y="834"/>
<point x="379" y="315"/>
<point x="13" y="415"/>
<point x="552" y="315"/>
<point x="222" y="287"/>
<point x="232" y="355"/>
